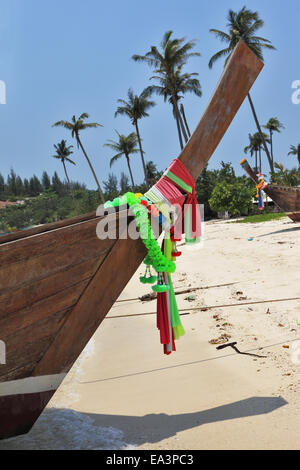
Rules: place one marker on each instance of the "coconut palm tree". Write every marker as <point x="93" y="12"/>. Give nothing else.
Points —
<point x="295" y="150"/>
<point x="63" y="153"/>
<point x="126" y="145"/>
<point x="152" y="173"/>
<point x="243" y="25"/>
<point x="173" y="90"/>
<point x="136" y="108"/>
<point x="173" y="53"/>
<point x="273" y="125"/>
<point x="76" y="126"/>
<point x="256" y="146"/>
<point x="253" y="148"/>
<point x="285" y="177"/>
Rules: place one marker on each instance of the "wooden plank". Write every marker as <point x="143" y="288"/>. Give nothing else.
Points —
<point x="285" y="197"/>
<point x="25" y="349"/>
<point x="35" y="246"/>
<point x="46" y="227"/>
<point x="107" y="284"/>
<point x="31" y="270"/>
<point x="11" y="323"/>
<point x="26" y="296"/>
<point x="239" y="75"/>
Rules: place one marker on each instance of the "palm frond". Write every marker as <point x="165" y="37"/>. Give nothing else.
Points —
<point x="218" y="55"/>
<point x="115" y="158"/>
<point x="220" y="35"/>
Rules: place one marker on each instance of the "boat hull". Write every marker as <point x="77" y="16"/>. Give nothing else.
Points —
<point x="58" y="282"/>
<point x="287" y="198"/>
<point x="18" y="413"/>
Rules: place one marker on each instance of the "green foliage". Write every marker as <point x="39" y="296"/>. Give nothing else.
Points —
<point x="111" y="189"/>
<point x="295" y="150"/>
<point x="47" y="208"/>
<point x="46" y="183"/>
<point x="204" y="186"/>
<point x="263" y="217"/>
<point x="124" y="183"/>
<point x="209" y="179"/>
<point x="235" y="197"/>
<point x="285" y="177"/>
<point x="153" y="175"/>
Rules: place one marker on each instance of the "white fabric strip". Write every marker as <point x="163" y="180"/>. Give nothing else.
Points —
<point x="38" y="384"/>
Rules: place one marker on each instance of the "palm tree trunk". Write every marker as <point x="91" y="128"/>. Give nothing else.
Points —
<point x="180" y="121"/>
<point x="260" y="159"/>
<point x="92" y="169"/>
<point x="260" y="133"/>
<point x="271" y="140"/>
<point x="142" y="154"/>
<point x="69" y="184"/>
<point x="184" y="118"/>
<point x="130" y="172"/>
<point x="256" y="161"/>
<point x="178" y="128"/>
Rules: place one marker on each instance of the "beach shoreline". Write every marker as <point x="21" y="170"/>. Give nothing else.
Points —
<point x="123" y="391"/>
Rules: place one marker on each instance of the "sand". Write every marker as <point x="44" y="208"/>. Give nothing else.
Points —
<point x="123" y="392"/>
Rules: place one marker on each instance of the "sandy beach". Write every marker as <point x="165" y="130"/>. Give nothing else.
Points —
<point x="123" y="392"/>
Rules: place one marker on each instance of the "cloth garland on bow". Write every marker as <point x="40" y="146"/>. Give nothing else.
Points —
<point x="176" y="187"/>
<point x="170" y="325"/>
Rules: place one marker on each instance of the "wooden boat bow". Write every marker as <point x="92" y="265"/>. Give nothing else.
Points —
<point x="58" y="282"/>
<point x="287" y="198"/>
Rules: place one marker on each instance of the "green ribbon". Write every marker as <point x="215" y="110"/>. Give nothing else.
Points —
<point x="179" y="182"/>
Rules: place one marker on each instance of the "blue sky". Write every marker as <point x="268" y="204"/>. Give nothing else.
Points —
<point x="65" y="57"/>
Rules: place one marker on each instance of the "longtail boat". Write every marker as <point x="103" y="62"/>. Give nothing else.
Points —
<point x="58" y="281"/>
<point x="287" y="198"/>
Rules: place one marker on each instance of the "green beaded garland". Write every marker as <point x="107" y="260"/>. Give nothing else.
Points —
<point x="155" y="257"/>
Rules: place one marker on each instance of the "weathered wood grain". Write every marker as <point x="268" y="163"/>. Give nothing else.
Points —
<point x="33" y="269"/>
<point x="37" y="245"/>
<point x="14" y="322"/>
<point x="100" y="294"/>
<point x="26" y="347"/>
<point x="46" y="227"/>
<point x="19" y="298"/>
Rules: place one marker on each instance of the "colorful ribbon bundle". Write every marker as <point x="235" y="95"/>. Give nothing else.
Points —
<point x="259" y="187"/>
<point x="176" y="189"/>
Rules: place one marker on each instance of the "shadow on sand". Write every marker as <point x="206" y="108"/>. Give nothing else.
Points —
<point x="59" y="428"/>
<point x="156" y="427"/>
<point x="286" y="230"/>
